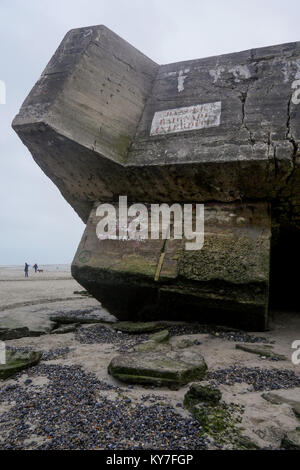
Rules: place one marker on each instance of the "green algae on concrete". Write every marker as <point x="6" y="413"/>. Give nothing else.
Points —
<point x="160" y="336"/>
<point x="137" y="327"/>
<point x="160" y="368"/>
<point x="217" y="419"/>
<point x="199" y="392"/>
<point x="17" y="361"/>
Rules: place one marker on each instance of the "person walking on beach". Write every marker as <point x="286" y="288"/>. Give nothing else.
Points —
<point x="35" y="267"/>
<point x="26" y="269"/>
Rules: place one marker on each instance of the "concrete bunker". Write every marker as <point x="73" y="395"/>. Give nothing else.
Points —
<point x="104" y="120"/>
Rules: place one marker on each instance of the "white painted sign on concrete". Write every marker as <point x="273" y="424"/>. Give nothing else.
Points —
<point x="188" y="118"/>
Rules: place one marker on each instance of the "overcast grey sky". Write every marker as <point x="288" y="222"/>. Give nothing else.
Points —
<point x="36" y="224"/>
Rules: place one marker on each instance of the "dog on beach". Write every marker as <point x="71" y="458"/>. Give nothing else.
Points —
<point x="40" y="270"/>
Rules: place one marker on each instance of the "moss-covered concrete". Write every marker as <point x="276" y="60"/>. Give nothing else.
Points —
<point x="203" y="393"/>
<point x="217" y="419"/>
<point x="17" y="361"/>
<point x="170" y="368"/>
<point x="160" y="336"/>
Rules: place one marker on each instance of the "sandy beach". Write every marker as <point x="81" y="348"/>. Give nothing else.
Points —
<point x="69" y="401"/>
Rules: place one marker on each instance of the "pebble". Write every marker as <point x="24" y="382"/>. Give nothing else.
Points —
<point x="47" y="355"/>
<point x="218" y="331"/>
<point x="102" y="334"/>
<point x="260" y="379"/>
<point x="72" y="412"/>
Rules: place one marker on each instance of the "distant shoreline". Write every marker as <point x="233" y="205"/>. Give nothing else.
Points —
<point x="43" y="266"/>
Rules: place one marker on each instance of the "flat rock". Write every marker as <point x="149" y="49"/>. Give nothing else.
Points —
<point x="175" y="343"/>
<point x="181" y="343"/>
<point x="291" y="440"/>
<point x="36" y="319"/>
<point x="84" y="293"/>
<point x="262" y="350"/>
<point x="160" y="368"/>
<point x="138" y="327"/>
<point x="152" y="346"/>
<point x="290" y="397"/>
<point x="17" y="361"/>
<point x="203" y="393"/>
<point x="16" y="324"/>
<point x="80" y="316"/>
<point x="160" y="336"/>
<point x="68" y="328"/>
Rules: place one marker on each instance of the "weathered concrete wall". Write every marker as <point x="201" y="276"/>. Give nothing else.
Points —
<point x="228" y="279"/>
<point x="104" y="120"/>
<point x="83" y="113"/>
<point x="96" y="100"/>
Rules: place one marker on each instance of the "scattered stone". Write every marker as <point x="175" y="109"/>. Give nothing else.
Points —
<point x="160" y="336"/>
<point x="245" y="443"/>
<point x="72" y="411"/>
<point x="216" y="419"/>
<point x="182" y="343"/>
<point x="152" y="346"/>
<point x="17" y="361"/>
<point x="291" y="440"/>
<point x="83" y="293"/>
<point x="202" y="393"/>
<point x="138" y="327"/>
<point x="259" y="379"/>
<point x="222" y="332"/>
<point x="290" y="397"/>
<point x="68" y="328"/>
<point x="17" y="324"/>
<point x="189" y="328"/>
<point x="55" y="353"/>
<point x="104" y="334"/>
<point x="46" y="355"/>
<point x="265" y="351"/>
<point x="159" y="368"/>
<point x="93" y="315"/>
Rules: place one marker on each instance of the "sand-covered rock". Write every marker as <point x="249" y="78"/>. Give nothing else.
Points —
<point x="18" y="324"/>
<point x="290" y="397"/>
<point x="291" y="440"/>
<point x="265" y="350"/>
<point x="99" y="315"/>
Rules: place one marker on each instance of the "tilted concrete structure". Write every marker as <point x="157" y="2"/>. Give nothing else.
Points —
<point x="104" y="120"/>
